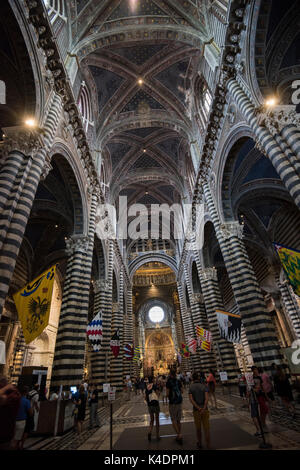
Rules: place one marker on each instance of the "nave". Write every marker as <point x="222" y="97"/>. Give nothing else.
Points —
<point x="231" y="428"/>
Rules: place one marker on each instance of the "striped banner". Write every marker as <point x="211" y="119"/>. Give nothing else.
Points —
<point x="94" y="331"/>
<point x="192" y="344"/>
<point x="206" y="345"/>
<point x="205" y="334"/>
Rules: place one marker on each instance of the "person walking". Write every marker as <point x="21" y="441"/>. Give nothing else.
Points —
<point x="79" y="413"/>
<point x="152" y="400"/>
<point x="211" y="382"/>
<point x="24" y="412"/>
<point x="174" y="393"/>
<point x="94" y="399"/>
<point x="198" y="396"/>
<point x="10" y="398"/>
<point x="164" y="390"/>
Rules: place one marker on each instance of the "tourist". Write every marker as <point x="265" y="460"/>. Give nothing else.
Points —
<point x="32" y="419"/>
<point x="152" y="400"/>
<point x="211" y="382"/>
<point x="164" y="390"/>
<point x="93" y="402"/>
<point x="257" y="400"/>
<point x="284" y="390"/>
<point x="198" y="395"/>
<point x="242" y="386"/>
<point x="174" y="394"/>
<point x="267" y="386"/>
<point x="79" y="399"/>
<point x="10" y="399"/>
<point x="54" y="394"/>
<point x="128" y="387"/>
<point x="24" y="411"/>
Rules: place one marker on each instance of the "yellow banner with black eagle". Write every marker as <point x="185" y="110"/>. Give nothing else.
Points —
<point x="290" y="260"/>
<point x="33" y="304"/>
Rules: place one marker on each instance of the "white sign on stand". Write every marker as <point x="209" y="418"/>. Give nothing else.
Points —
<point x="111" y="394"/>
<point x="223" y="376"/>
<point x="106" y="388"/>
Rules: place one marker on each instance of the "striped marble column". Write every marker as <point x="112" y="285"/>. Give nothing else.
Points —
<point x="179" y="330"/>
<point x="116" y="364"/>
<point x="258" y="325"/>
<point x="25" y="154"/>
<point x="268" y="143"/>
<point x="187" y="323"/>
<point x="71" y="334"/>
<point x="290" y="306"/>
<point x="128" y="332"/>
<point x="97" y="363"/>
<point x="224" y="350"/>
<point x="194" y="319"/>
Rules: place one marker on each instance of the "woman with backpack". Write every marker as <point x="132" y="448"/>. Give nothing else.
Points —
<point x="152" y="400"/>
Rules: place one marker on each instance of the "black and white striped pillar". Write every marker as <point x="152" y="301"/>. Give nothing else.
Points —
<point x="25" y="154"/>
<point x="258" y="324"/>
<point x="268" y="143"/>
<point x="71" y="334"/>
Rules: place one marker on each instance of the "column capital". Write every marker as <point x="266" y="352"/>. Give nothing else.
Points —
<point x="209" y="273"/>
<point x="115" y="307"/>
<point x="279" y="117"/>
<point x="46" y="169"/>
<point x="77" y="244"/>
<point x="231" y="229"/>
<point x="22" y="139"/>
<point x="197" y="298"/>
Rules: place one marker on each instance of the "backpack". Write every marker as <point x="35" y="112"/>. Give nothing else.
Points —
<point x="176" y="396"/>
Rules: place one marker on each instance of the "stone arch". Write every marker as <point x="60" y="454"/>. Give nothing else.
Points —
<point x="74" y="180"/>
<point x="143" y="259"/>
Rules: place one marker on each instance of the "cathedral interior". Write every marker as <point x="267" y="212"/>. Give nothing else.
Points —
<point x="152" y="103"/>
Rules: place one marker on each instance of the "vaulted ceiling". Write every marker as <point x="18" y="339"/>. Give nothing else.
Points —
<point x="140" y="59"/>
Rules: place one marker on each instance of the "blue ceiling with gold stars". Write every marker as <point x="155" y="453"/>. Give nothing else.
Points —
<point x="173" y="78"/>
<point x="142" y="102"/>
<point x="139" y="54"/>
<point x="107" y="84"/>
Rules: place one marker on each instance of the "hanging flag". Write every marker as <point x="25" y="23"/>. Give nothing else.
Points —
<point x="229" y="326"/>
<point x="205" y="334"/>
<point x="290" y="260"/>
<point x="94" y="331"/>
<point x="203" y="344"/>
<point x="137" y="351"/>
<point x="185" y="350"/>
<point x="128" y="351"/>
<point x="115" y="343"/>
<point x="33" y="304"/>
<point x="192" y="344"/>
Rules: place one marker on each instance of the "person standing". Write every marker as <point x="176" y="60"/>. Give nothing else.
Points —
<point x="267" y="386"/>
<point x="24" y="412"/>
<point x="80" y="402"/>
<point x="32" y="419"/>
<point x="211" y="382"/>
<point x="152" y="400"/>
<point x="198" y="395"/>
<point x="10" y="399"/>
<point x="242" y="386"/>
<point x="174" y="394"/>
<point x="164" y="390"/>
<point x="94" y="399"/>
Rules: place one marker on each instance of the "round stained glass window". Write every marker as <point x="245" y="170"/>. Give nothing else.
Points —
<point x="156" y="314"/>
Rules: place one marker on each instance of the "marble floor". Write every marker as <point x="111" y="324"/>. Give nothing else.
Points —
<point x="231" y="428"/>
